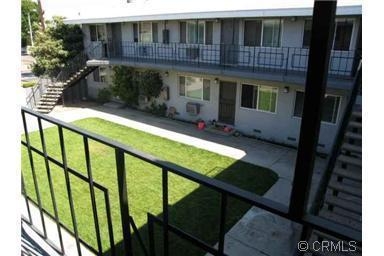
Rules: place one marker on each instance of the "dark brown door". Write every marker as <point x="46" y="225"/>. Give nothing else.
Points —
<point x="229" y="41"/>
<point x="227" y="102"/>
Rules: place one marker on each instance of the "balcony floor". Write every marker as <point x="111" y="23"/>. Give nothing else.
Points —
<point x="261" y="74"/>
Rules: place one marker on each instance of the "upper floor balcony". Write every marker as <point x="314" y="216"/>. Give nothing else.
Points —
<point x="287" y="64"/>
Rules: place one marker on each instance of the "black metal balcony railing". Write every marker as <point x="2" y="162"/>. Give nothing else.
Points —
<point x="284" y="60"/>
<point x="226" y="191"/>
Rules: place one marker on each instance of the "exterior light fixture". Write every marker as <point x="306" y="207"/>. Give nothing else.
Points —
<point x="286" y="89"/>
<point x="216" y="80"/>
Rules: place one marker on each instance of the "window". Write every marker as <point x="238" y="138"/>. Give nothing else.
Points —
<point x="262" y="98"/>
<point x="307" y="33"/>
<point x="262" y="32"/>
<point x="146" y="32"/>
<point x="271" y="33"/>
<point x="330" y="108"/>
<point x="195" y="87"/>
<point x="196" y="32"/>
<point x="100" y="75"/>
<point x="343" y="35"/>
<point x="97" y="32"/>
<point x="155" y="32"/>
<point x="252" y="32"/>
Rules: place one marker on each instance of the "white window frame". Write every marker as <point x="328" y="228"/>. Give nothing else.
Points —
<point x="103" y="75"/>
<point x="258" y="96"/>
<point x="334" y="35"/>
<point x="202" y="88"/>
<point x="187" y="32"/>
<point x="281" y="21"/>
<point x="323" y="122"/>
<point x="97" y="34"/>
<point x="139" y="28"/>
<point x="339" y="20"/>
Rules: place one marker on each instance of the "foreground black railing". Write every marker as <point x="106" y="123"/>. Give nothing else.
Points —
<point x="284" y="60"/>
<point x="226" y="190"/>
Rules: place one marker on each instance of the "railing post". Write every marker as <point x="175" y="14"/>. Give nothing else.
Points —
<point x="316" y="80"/>
<point x="286" y="63"/>
<point x="165" y="212"/>
<point x="123" y="200"/>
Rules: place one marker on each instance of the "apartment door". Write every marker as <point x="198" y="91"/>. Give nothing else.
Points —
<point x="115" y="44"/>
<point x="227" y="102"/>
<point x="229" y="41"/>
<point x="98" y="40"/>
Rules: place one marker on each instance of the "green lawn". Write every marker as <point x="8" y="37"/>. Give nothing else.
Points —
<point x="192" y="207"/>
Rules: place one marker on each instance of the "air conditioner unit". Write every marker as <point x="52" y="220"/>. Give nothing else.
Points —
<point x="193" y="108"/>
<point x="192" y="52"/>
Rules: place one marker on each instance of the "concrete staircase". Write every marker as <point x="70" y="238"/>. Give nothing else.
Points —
<point x="55" y="90"/>
<point x="343" y="198"/>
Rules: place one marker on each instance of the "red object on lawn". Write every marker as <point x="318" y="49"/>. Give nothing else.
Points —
<point x="201" y="125"/>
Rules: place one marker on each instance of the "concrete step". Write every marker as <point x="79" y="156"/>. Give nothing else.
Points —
<point x="350" y="160"/>
<point x="357" y="114"/>
<point x="346" y="173"/>
<point x="344" y="204"/>
<point x="47" y="103"/>
<point x="354" y="124"/>
<point x="340" y="219"/>
<point x="352" y="135"/>
<point x="340" y="187"/>
<point x="39" y="106"/>
<point x="51" y="99"/>
<point x="352" y="148"/>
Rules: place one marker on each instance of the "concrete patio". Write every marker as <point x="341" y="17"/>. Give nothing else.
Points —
<point x="258" y="232"/>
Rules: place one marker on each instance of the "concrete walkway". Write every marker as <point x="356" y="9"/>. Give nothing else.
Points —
<point x="254" y="229"/>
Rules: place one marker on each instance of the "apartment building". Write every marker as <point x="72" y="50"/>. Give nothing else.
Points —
<point x="242" y="67"/>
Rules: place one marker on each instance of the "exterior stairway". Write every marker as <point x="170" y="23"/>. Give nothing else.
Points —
<point x="55" y="90"/>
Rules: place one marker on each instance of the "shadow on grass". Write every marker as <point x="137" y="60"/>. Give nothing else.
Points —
<point x="198" y="213"/>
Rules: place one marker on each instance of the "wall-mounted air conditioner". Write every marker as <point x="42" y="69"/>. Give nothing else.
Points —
<point x="193" y="108"/>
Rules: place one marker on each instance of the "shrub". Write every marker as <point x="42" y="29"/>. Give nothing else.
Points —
<point x="104" y="95"/>
<point x="150" y="83"/>
<point x="157" y="109"/>
<point x="28" y="84"/>
<point x="125" y="84"/>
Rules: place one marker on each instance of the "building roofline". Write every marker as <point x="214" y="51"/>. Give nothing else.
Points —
<point x="280" y="12"/>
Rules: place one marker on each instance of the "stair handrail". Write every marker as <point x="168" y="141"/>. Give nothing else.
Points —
<point x="74" y="64"/>
<point x="36" y="91"/>
<point x="318" y="201"/>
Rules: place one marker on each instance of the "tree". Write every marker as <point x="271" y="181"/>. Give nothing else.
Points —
<point x="28" y="7"/>
<point x="55" y="46"/>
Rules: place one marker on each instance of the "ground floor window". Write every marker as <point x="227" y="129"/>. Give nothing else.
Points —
<point x="330" y="108"/>
<point x="195" y="87"/>
<point x="100" y="75"/>
<point x="259" y="97"/>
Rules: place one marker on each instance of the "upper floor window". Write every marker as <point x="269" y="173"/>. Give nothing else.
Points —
<point x="195" y="87"/>
<point x="262" y="32"/>
<point x="196" y="32"/>
<point x="259" y="97"/>
<point x="97" y="32"/>
<point x="145" y="32"/>
<point x="331" y="107"/>
<point x="342" y="38"/>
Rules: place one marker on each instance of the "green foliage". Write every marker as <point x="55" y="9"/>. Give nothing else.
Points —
<point x="157" y="109"/>
<point x="104" y="95"/>
<point x="28" y="84"/>
<point x="31" y="8"/>
<point x="150" y="83"/>
<point x="125" y="84"/>
<point x="55" y="46"/>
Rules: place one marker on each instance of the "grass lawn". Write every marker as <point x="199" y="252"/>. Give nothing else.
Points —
<point x="192" y="208"/>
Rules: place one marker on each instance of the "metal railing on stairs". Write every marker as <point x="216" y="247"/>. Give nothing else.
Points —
<point x="37" y="91"/>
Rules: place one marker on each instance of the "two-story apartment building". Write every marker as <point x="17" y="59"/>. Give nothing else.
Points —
<point x="240" y="65"/>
